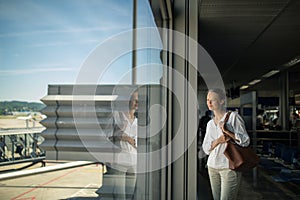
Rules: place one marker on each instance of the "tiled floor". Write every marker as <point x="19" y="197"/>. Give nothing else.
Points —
<point x="264" y="187"/>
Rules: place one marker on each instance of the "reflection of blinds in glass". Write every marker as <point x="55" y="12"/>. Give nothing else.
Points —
<point x="79" y="120"/>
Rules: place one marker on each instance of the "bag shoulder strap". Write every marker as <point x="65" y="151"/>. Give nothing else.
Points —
<point x="227" y="116"/>
<point x="225" y="120"/>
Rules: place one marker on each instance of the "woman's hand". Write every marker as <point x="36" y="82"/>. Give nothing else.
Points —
<point x="128" y="139"/>
<point x="228" y="134"/>
<point x="222" y="125"/>
<point x="220" y="140"/>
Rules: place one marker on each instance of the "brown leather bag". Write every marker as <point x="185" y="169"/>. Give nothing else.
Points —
<point x="240" y="158"/>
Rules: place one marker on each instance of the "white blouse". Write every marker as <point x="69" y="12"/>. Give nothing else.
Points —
<point x="124" y="124"/>
<point x="128" y="155"/>
<point x="235" y="124"/>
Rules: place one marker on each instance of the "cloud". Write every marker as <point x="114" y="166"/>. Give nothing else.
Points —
<point x="120" y="8"/>
<point x="111" y="27"/>
<point x="50" y="44"/>
<point x="34" y="71"/>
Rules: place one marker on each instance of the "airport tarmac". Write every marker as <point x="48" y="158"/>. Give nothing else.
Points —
<point x="71" y="183"/>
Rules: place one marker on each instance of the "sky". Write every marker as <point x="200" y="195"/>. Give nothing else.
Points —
<point x="46" y="42"/>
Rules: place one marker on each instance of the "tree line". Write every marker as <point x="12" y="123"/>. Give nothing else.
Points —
<point x="7" y="107"/>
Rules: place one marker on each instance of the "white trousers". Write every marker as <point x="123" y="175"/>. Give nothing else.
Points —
<point x="224" y="183"/>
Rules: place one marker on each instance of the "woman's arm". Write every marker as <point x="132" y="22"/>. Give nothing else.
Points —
<point x="220" y="140"/>
<point x="228" y="133"/>
<point x="211" y="141"/>
<point x="128" y="139"/>
<point x="237" y="130"/>
<point x="124" y="137"/>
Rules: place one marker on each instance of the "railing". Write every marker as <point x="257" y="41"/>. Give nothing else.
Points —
<point x="21" y="145"/>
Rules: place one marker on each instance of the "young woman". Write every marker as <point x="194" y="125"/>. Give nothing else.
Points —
<point x="125" y="158"/>
<point x="224" y="181"/>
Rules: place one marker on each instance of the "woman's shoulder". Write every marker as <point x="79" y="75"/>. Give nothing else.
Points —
<point x="233" y="112"/>
<point x="118" y="113"/>
<point x="210" y="122"/>
<point x="235" y="116"/>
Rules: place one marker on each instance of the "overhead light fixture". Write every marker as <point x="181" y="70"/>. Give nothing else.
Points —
<point x="270" y="73"/>
<point x="254" y="81"/>
<point x="243" y="87"/>
<point x="292" y="62"/>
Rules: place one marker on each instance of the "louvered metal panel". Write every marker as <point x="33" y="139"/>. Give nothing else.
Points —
<point x="79" y="120"/>
<point x="49" y="122"/>
<point x="49" y="111"/>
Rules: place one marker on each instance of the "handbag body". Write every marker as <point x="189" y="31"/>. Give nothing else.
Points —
<point x="240" y="158"/>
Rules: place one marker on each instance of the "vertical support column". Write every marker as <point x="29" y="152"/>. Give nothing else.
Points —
<point x="192" y="117"/>
<point x="168" y="41"/>
<point x="254" y="136"/>
<point x="142" y="184"/>
<point x="13" y="140"/>
<point x="250" y="99"/>
<point x="166" y="56"/>
<point x="184" y="169"/>
<point x="178" y="167"/>
<point x="25" y="146"/>
<point x="134" y="39"/>
<point x="284" y="100"/>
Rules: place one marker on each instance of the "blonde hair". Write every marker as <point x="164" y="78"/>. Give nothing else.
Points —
<point x="221" y="93"/>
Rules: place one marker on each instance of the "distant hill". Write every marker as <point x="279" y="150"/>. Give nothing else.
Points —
<point x="6" y="107"/>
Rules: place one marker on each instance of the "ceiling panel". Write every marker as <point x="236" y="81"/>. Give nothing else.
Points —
<point x="247" y="39"/>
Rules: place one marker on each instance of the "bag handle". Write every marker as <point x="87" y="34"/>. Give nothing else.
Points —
<point x="227" y="116"/>
<point x="225" y="121"/>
